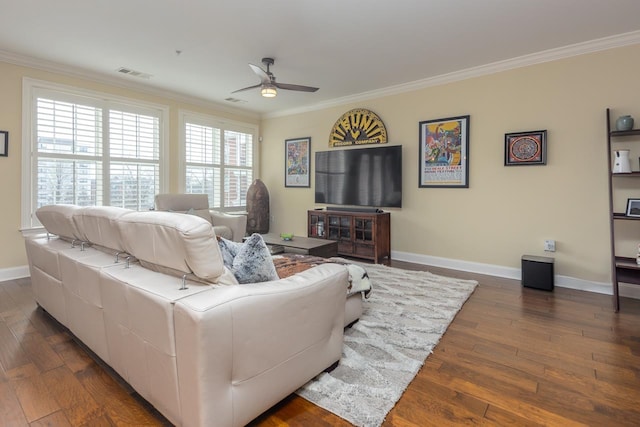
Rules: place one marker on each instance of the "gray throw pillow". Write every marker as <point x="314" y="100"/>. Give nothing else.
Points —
<point x="250" y="261"/>
<point x="229" y="250"/>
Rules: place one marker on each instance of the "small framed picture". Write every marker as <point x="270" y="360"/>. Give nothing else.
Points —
<point x="633" y="207"/>
<point x="297" y="163"/>
<point x="525" y="148"/>
<point x="4" y="143"/>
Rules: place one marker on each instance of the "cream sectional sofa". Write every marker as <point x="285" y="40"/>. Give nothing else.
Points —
<point x="148" y="293"/>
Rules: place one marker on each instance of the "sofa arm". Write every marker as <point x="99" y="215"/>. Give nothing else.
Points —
<point x="243" y="348"/>
<point x="237" y="223"/>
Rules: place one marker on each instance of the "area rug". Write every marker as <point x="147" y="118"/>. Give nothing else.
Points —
<point x="403" y="320"/>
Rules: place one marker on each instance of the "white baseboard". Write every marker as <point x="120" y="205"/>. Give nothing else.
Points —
<point x="14" y="273"/>
<point x="631" y="291"/>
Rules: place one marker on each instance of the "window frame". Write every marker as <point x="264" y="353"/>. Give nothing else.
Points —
<point x="33" y="89"/>
<point x="185" y="116"/>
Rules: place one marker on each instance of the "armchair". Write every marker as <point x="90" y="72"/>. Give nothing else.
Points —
<point x="229" y="226"/>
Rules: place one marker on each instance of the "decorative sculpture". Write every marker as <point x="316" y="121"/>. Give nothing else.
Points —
<point x="257" y="208"/>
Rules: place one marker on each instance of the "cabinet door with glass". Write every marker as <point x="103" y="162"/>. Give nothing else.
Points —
<point x="339" y="227"/>
<point x="316" y="224"/>
<point x="364" y="229"/>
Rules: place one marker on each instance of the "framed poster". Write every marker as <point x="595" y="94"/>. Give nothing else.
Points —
<point x="525" y="148"/>
<point x="444" y="153"/>
<point x="297" y="163"/>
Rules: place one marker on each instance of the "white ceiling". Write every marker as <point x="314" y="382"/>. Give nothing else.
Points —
<point x="347" y="48"/>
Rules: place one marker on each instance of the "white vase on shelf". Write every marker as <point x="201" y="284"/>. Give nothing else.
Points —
<point x="621" y="163"/>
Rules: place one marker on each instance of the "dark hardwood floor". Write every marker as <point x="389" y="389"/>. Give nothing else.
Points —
<point x="512" y="356"/>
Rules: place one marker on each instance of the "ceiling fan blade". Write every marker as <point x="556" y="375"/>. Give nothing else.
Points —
<point x="267" y="79"/>
<point x="300" y="88"/>
<point x="247" y="88"/>
<point x="264" y="77"/>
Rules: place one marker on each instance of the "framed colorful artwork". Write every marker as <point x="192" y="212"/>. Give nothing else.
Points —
<point x="444" y="153"/>
<point x="525" y="148"/>
<point x="297" y="163"/>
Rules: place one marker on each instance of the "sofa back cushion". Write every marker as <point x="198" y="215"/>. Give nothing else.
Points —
<point x="96" y="224"/>
<point x="58" y="220"/>
<point x="184" y="243"/>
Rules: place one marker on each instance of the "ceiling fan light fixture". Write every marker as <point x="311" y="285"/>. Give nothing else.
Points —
<point x="268" y="91"/>
<point x="268" y="86"/>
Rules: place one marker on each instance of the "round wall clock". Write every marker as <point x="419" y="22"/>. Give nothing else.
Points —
<point x="358" y="126"/>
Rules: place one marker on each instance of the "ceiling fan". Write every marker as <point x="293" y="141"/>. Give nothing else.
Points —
<point x="268" y="85"/>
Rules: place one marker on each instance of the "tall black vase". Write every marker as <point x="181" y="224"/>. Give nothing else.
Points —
<point x="257" y="208"/>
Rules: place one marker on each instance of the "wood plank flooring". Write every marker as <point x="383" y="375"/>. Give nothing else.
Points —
<point x="512" y="356"/>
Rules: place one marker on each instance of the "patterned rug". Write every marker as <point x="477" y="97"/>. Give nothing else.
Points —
<point x="402" y="322"/>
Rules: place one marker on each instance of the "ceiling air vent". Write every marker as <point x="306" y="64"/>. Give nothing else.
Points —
<point x="234" y="100"/>
<point x="134" y="73"/>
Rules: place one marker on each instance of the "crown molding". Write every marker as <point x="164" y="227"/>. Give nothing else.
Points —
<point x="605" y="43"/>
<point x="550" y="55"/>
<point x="80" y="73"/>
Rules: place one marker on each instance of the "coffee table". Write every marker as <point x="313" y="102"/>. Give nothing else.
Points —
<point x="303" y="245"/>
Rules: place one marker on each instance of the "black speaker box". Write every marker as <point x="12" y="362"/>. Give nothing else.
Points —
<point x="537" y="272"/>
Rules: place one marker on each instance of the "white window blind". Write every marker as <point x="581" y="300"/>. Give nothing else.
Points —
<point x="219" y="162"/>
<point x="134" y="171"/>
<point x="90" y="150"/>
<point x="68" y="153"/>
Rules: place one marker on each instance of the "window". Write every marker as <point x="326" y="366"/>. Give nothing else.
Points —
<point x="88" y="149"/>
<point x="218" y="160"/>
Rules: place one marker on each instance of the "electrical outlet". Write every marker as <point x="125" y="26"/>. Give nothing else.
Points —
<point x="550" y="245"/>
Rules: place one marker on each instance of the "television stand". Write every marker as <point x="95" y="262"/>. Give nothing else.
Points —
<point x="359" y="234"/>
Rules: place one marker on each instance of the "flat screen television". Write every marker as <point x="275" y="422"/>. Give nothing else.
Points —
<point x="369" y="177"/>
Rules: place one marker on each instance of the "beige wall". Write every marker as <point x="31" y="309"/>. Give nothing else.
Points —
<point x="12" y="254"/>
<point x="507" y="211"/>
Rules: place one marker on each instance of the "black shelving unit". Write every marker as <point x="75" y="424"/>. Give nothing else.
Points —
<point x="623" y="268"/>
